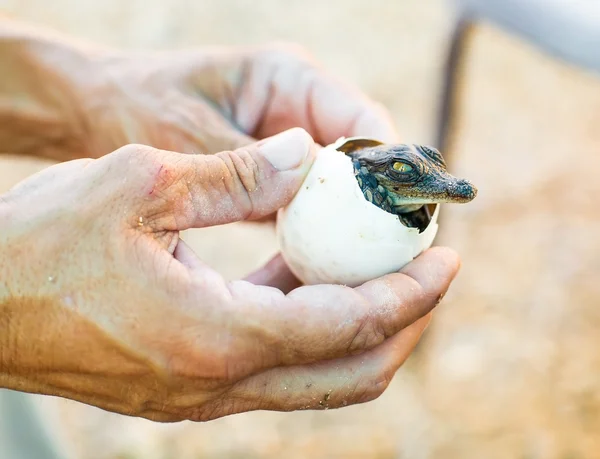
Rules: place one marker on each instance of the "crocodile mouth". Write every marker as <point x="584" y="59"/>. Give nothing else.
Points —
<point x="420" y="218"/>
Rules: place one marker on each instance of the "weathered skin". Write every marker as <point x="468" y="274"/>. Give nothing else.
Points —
<point x="402" y="179"/>
<point x="102" y="302"/>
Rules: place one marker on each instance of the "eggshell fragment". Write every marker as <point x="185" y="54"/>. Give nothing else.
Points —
<point x="330" y="233"/>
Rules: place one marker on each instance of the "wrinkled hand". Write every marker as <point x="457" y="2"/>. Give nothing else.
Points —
<point x="101" y="301"/>
<point x="218" y="99"/>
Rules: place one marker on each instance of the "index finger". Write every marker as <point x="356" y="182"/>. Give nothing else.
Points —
<point x="323" y="322"/>
<point x="284" y="88"/>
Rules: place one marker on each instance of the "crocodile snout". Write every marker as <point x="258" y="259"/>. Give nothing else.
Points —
<point x="462" y="191"/>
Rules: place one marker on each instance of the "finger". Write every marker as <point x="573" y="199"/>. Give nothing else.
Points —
<point x="275" y="273"/>
<point x="187" y="257"/>
<point x="196" y="191"/>
<point x="283" y="88"/>
<point x="322" y="322"/>
<point x="217" y="133"/>
<point x="331" y="384"/>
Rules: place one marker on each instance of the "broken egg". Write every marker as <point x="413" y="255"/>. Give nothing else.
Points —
<point x="329" y="233"/>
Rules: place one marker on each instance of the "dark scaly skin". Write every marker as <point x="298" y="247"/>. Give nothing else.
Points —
<point x="422" y="179"/>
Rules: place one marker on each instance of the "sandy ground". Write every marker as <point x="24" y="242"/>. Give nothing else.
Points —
<point x="510" y="366"/>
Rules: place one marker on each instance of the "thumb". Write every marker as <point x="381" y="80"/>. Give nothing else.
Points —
<point x="195" y="191"/>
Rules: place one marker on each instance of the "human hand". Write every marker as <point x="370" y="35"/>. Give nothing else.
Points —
<point x="101" y="301"/>
<point x="68" y="100"/>
<point x="218" y="99"/>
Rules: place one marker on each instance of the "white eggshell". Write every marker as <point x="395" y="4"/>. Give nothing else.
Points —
<point x="330" y="233"/>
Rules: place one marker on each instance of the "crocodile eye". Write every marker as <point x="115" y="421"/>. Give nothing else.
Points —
<point x="402" y="167"/>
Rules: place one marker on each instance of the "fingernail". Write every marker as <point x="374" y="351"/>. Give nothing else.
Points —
<point x="288" y="150"/>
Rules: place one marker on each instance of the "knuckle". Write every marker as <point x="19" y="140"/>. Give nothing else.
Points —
<point x="245" y="168"/>
<point x="137" y="161"/>
<point x="242" y="179"/>
<point x="133" y="154"/>
<point x="125" y="174"/>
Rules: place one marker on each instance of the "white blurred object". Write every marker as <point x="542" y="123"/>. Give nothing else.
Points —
<point x="569" y="29"/>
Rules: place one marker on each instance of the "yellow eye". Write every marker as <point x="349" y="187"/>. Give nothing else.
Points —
<point x="402" y="167"/>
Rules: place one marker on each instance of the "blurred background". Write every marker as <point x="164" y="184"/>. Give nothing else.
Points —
<point x="510" y="367"/>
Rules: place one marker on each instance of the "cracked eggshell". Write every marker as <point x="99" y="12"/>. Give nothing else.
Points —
<point x="330" y="233"/>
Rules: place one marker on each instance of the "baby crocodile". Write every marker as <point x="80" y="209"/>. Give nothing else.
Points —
<point x="403" y="179"/>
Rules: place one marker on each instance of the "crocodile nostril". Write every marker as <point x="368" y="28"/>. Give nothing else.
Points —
<point x="462" y="190"/>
